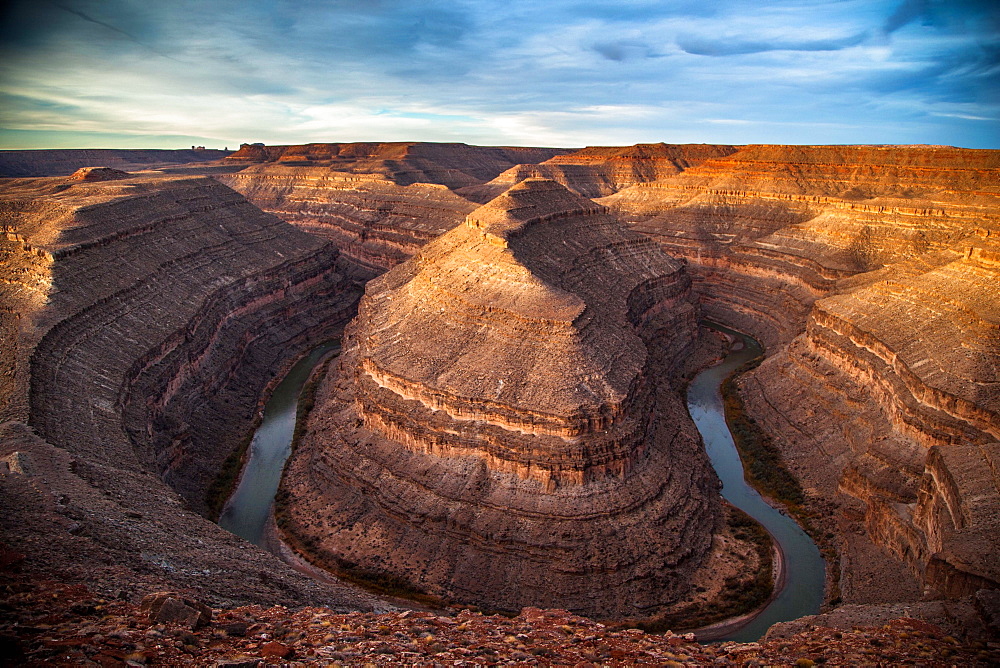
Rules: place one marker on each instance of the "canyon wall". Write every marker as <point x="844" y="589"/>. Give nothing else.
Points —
<point x="871" y="275"/>
<point x="795" y="220"/>
<point x="504" y="428"/>
<point x="597" y="171"/>
<point x="378" y="202"/>
<point x="143" y="318"/>
<point x="371" y="219"/>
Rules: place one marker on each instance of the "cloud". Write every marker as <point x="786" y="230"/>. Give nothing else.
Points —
<point x="621" y="50"/>
<point x="735" y="46"/>
<point x="907" y="12"/>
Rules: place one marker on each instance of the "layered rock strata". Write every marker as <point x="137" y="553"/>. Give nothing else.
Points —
<point x="871" y="274"/>
<point x="504" y="429"/>
<point x="885" y="379"/>
<point x="143" y="318"/>
<point x="769" y="229"/>
<point x="597" y="171"/>
<point x="371" y="219"/>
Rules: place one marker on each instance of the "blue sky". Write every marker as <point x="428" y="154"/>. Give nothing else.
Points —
<point x="171" y="73"/>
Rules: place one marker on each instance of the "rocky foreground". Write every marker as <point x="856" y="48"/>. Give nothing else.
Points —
<point x="52" y="623"/>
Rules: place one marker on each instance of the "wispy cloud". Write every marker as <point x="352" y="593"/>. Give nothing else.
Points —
<point x="735" y="46"/>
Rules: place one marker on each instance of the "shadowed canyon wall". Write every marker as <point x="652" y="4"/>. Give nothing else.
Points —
<point x="452" y="165"/>
<point x="505" y="428"/>
<point x="370" y="218"/>
<point x="143" y="319"/>
<point x="378" y="202"/>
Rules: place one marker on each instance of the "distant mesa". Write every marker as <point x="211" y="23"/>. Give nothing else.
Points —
<point x="98" y="174"/>
<point x="63" y="162"/>
<point x="504" y="429"/>
<point x="453" y="165"/>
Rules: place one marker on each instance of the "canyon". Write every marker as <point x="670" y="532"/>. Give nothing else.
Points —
<point x="145" y="315"/>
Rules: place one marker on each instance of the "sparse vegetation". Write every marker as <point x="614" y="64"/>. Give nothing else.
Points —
<point x="229" y="474"/>
<point x="765" y="471"/>
<point x="762" y="462"/>
<point x="739" y="595"/>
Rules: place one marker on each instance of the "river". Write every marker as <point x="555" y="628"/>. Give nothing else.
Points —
<point x="247" y="511"/>
<point x="801" y="592"/>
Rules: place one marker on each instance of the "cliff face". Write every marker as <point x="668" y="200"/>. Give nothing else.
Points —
<point x="597" y="171"/>
<point x="504" y="430"/>
<point x="145" y="316"/>
<point x="371" y="219"/>
<point x="378" y="202"/>
<point x="795" y="220"/>
<point x="870" y="273"/>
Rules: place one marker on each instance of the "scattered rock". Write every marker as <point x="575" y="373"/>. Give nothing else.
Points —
<point x="172" y="608"/>
<point x="276" y="650"/>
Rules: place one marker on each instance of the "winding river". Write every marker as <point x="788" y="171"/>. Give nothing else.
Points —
<point x="247" y="510"/>
<point x="800" y="592"/>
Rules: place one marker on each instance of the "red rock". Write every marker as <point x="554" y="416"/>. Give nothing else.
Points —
<point x="98" y="174"/>
<point x="171" y="608"/>
<point x="276" y="650"/>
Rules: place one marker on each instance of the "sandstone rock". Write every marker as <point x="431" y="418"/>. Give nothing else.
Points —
<point x="18" y="463"/>
<point x="172" y="608"/>
<point x="869" y="273"/>
<point x="450" y="454"/>
<point x="373" y="221"/>
<point x="98" y="174"/>
<point x="276" y="650"/>
<point x="142" y="319"/>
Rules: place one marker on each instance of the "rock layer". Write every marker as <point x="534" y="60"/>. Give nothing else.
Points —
<point x="371" y="219"/>
<point x="452" y="165"/>
<point x="503" y="429"/>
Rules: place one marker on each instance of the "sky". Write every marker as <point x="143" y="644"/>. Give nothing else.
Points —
<point x="563" y="73"/>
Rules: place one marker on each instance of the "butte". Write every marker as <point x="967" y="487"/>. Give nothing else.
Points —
<point x="504" y="428"/>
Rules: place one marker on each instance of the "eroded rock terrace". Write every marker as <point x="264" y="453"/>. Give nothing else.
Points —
<point x="565" y="473"/>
